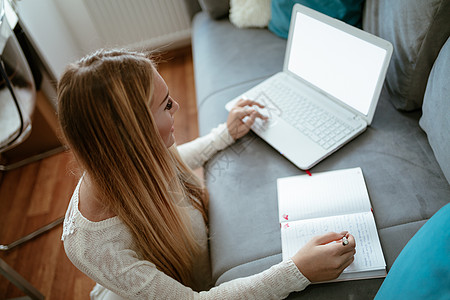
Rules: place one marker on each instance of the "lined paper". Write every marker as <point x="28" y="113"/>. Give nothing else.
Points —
<point x="322" y="194"/>
<point x="296" y="234"/>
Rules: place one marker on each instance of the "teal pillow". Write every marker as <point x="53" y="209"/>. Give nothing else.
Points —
<point x="422" y="270"/>
<point x="349" y="11"/>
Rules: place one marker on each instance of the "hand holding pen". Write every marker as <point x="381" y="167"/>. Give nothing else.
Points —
<point x="325" y="257"/>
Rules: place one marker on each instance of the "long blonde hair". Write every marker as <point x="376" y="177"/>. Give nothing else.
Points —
<point x="104" y="111"/>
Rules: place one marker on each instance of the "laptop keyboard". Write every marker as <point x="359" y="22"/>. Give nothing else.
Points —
<point x="312" y="120"/>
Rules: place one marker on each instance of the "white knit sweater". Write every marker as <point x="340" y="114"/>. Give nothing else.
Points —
<point x="105" y="252"/>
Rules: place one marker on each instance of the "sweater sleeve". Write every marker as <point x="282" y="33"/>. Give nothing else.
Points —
<point x="275" y="283"/>
<point x="200" y="150"/>
<point x="116" y="267"/>
<point x="105" y="252"/>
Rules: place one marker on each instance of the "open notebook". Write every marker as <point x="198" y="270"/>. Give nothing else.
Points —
<point x="331" y="201"/>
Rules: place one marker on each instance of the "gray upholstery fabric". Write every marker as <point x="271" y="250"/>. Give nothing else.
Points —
<point x="396" y="236"/>
<point x="436" y="109"/>
<point x="250" y="268"/>
<point x="354" y="290"/>
<point x="360" y="289"/>
<point x="398" y="164"/>
<point x="243" y="208"/>
<point x="215" y="8"/>
<point x="192" y="7"/>
<point x="417" y="29"/>
<point x="406" y="185"/>
<point x="215" y="105"/>
<point x="238" y="69"/>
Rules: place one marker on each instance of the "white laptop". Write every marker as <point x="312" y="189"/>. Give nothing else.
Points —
<point x="328" y="90"/>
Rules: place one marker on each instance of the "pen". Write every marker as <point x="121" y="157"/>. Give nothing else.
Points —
<point x="344" y="241"/>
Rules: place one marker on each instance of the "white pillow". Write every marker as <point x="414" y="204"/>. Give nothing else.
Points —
<point x="250" y="13"/>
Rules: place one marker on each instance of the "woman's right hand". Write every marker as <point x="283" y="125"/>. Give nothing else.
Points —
<point x="243" y="108"/>
<point x="325" y="257"/>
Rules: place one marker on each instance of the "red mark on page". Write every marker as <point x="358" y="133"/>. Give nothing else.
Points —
<point x="285" y="216"/>
<point x="285" y="226"/>
<point x="308" y="172"/>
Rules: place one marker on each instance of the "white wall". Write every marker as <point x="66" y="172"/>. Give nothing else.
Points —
<point x="80" y="24"/>
<point x="65" y="30"/>
<point x="49" y="33"/>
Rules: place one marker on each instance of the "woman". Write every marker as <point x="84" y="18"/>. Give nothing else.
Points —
<point x="137" y="221"/>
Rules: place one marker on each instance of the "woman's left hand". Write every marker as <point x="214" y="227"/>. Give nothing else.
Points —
<point x="236" y="126"/>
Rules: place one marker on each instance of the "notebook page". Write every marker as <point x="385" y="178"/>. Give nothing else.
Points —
<point x="322" y="194"/>
<point x="369" y="255"/>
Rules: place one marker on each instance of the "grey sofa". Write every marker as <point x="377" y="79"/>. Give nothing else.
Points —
<point x="404" y="154"/>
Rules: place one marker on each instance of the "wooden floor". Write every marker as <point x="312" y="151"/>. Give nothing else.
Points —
<point x="38" y="193"/>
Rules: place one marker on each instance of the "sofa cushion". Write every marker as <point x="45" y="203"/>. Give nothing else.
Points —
<point x="349" y="11"/>
<point x="436" y="109"/>
<point x="216" y="9"/>
<point x="250" y="268"/>
<point x="422" y="270"/>
<point x="354" y="289"/>
<point x="406" y="185"/>
<point x="417" y="30"/>
<point x="398" y="165"/>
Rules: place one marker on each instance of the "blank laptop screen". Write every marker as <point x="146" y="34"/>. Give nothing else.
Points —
<point x="340" y="64"/>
